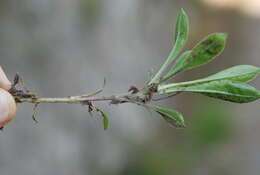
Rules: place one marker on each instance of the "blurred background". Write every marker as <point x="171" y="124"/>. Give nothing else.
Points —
<point x="67" y="47"/>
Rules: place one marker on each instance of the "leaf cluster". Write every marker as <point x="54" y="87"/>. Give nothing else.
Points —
<point x="229" y="85"/>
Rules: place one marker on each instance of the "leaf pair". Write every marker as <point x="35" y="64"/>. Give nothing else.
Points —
<point x="227" y="85"/>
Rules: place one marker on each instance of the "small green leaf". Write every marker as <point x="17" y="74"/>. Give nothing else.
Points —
<point x="173" y="117"/>
<point x="223" y="89"/>
<point x="241" y="73"/>
<point x="181" y="36"/>
<point x="105" y="118"/>
<point x="205" y="51"/>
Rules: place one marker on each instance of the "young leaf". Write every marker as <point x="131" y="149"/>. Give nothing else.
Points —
<point x="223" y="89"/>
<point x="173" y="117"/>
<point x="205" y="51"/>
<point x="181" y="36"/>
<point x="241" y="73"/>
<point x="105" y="118"/>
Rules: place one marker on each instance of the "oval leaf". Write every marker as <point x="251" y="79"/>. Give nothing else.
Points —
<point x="223" y="89"/>
<point x="202" y="53"/>
<point x="206" y="50"/>
<point x="173" y="117"/>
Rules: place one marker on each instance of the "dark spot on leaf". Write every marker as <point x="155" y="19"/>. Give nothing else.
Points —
<point x="207" y="42"/>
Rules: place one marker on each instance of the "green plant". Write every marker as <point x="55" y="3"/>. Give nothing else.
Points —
<point x="230" y="84"/>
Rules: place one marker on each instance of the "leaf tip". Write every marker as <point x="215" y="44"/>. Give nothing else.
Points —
<point x="105" y="119"/>
<point x="222" y="36"/>
<point x="182" y="11"/>
<point x="183" y="14"/>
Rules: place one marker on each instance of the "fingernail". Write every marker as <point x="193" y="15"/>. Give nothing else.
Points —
<point x="4" y="107"/>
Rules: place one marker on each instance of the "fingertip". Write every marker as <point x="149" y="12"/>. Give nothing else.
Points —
<point x="7" y="107"/>
<point x="4" y="81"/>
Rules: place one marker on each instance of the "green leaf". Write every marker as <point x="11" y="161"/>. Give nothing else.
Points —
<point x="223" y="89"/>
<point x="181" y="36"/>
<point x="202" y="53"/>
<point x="241" y="73"/>
<point x="206" y="50"/>
<point x="173" y="117"/>
<point x="105" y="118"/>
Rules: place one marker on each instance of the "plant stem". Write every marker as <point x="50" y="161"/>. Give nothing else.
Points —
<point x="74" y="99"/>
